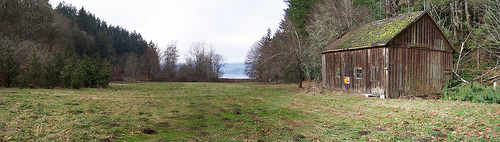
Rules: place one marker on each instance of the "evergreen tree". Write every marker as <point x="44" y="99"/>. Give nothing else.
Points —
<point x="34" y="72"/>
<point x="52" y="71"/>
<point x="9" y="67"/>
<point x="298" y="13"/>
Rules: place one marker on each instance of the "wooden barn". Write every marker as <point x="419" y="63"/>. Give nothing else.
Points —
<point x="397" y="57"/>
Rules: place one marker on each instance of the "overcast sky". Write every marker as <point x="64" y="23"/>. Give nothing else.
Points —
<point x="231" y="26"/>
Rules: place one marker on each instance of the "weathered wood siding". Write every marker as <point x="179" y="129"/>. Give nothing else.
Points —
<point x="414" y="71"/>
<point x="331" y="61"/>
<point x="371" y="62"/>
<point x="420" y="60"/>
<point x="422" y="34"/>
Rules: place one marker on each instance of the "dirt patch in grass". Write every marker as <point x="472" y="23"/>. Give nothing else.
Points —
<point x="114" y="125"/>
<point x="424" y="139"/>
<point x="143" y="119"/>
<point x="183" y="129"/>
<point x="203" y="133"/>
<point x="149" y="131"/>
<point x="300" y="137"/>
<point x="200" y="116"/>
<point x="405" y="123"/>
<point x="409" y="135"/>
<point x="224" y="119"/>
<point x="362" y="133"/>
<point x="107" y="139"/>
<point x="449" y="129"/>
<point x="236" y="111"/>
<point x="435" y="129"/>
<point x="287" y="129"/>
<point x="379" y="129"/>
<point x="163" y="124"/>
<point x="223" y="109"/>
<point x="439" y="135"/>
<point x="195" y="128"/>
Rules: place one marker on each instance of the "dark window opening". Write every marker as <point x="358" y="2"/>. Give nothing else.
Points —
<point x="358" y="73"/>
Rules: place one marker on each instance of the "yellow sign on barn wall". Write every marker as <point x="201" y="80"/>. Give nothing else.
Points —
<point x="347" y="80"/>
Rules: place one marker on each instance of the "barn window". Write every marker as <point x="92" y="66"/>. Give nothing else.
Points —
<point x="337" y="71"/>
<point x="358" y="73"/>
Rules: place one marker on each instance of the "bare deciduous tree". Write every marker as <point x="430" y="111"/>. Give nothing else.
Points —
<point x="131" y="67"/>
<point x="151" y="62"/>
<point x="170" y="58"/>
<point x="206" y="63"/>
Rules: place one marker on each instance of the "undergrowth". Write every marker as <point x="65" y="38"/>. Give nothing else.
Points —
<point x="473" y="92"/>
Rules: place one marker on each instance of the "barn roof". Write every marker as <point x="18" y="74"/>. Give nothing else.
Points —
<point x="376" y="33"/>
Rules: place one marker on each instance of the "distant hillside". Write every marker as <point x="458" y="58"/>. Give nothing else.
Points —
<point x="234" y="71"/>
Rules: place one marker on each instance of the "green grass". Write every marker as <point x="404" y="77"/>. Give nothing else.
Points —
<point x="234" y="112"/>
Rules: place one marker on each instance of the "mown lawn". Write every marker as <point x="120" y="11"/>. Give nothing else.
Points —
<point x="234" y="112"/>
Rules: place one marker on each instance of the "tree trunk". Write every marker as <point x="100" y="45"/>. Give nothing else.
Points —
<point x="467" y="14"/>
<point x="454" y="20"/>
<point x="300" y="73"/>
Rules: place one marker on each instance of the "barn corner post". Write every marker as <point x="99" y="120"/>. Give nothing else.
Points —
<point x="386" y="72"/>
<point x="323" y="71"/>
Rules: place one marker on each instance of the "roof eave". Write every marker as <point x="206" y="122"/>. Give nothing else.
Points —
<point x="353" y="48"/>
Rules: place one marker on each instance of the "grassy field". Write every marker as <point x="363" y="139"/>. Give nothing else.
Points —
<point x="234" y="112"/>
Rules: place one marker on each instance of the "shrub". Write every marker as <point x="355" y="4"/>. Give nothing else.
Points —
<point x="88" y="72"/>
<point x="473" y="92"/>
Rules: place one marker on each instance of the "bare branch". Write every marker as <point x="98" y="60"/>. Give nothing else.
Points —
<point x="461" y="49"/>
<point x="462" y="79"/>
<point x="486" y="73"/>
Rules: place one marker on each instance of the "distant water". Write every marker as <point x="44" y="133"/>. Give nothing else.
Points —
<point x="234" y="71"/>
<point x="235" y="76"/>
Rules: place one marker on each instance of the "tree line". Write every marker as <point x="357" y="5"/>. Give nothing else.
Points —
<point x="72" y="48"/>
<point x="293" y="52"/>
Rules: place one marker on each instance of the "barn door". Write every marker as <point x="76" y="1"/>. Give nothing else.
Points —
<point x="375" y="76"/>
<point x="375" y="72"/>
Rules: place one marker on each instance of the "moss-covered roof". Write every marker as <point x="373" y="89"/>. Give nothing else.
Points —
<point x="375" y="33"/>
